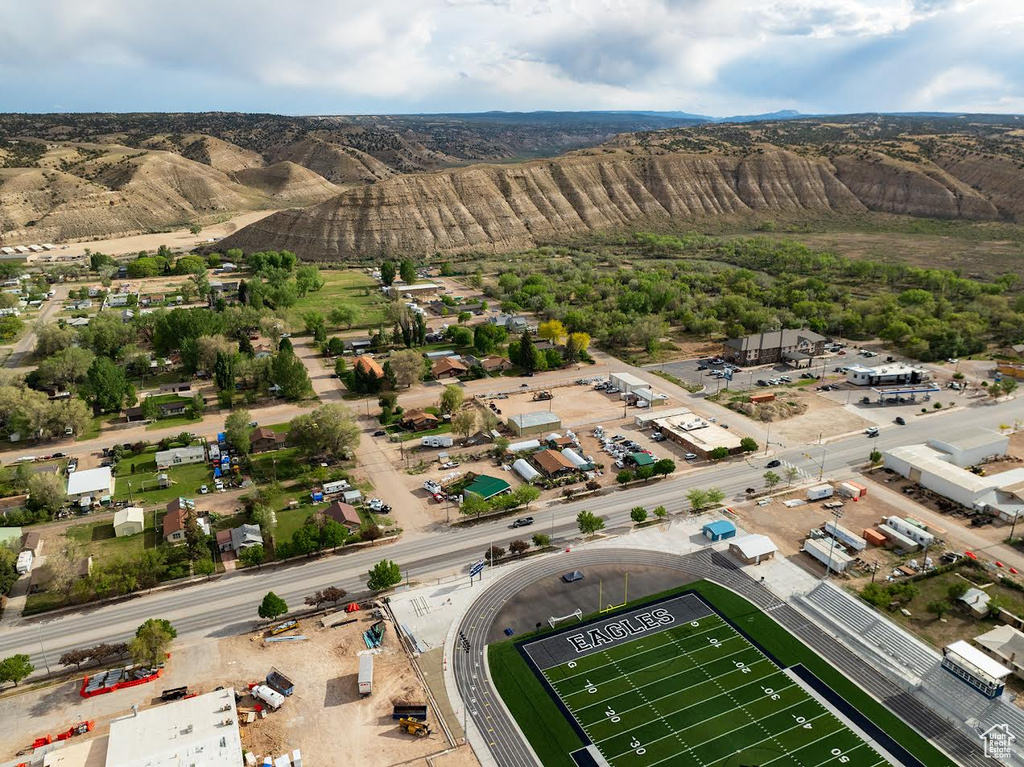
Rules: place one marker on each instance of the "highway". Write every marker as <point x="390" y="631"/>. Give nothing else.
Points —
<point x="228" y="605"/>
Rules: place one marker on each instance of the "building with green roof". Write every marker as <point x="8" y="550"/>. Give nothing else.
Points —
<point x="488" y="487"/>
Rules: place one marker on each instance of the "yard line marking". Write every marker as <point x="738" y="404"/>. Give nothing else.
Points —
<point x="845" y="753"/>
<point x="636" y="655"/>
<point x="647" y="668"/>
<point x="699" y="703"/>
<point x="719" y="735"/>
<point x="805" y="745"/>
<point x="676" y="692"/>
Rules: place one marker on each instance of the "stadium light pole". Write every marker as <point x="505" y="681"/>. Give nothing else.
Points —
<point x="837" y="513"/>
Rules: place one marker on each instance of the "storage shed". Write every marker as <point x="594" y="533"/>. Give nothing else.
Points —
<point x="528" y="424"/>
<point x="719" y="530"/>
<point x="753" y="549"/>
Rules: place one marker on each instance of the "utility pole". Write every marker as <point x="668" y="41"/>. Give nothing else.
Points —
<point x="837" y="514"/>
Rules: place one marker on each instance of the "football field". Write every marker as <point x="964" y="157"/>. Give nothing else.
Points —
<point x="675" y="684"/>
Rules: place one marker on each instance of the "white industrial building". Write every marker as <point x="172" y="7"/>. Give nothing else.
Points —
<point x="92" y="483"/>
<point x="935" y="470"/>
<point x="627" y="382"/>
<point x="972" y="446"/>
<point x="884" y="375"/>
<point x="200" y="732"/>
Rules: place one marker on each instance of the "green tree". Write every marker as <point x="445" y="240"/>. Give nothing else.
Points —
<point x="719" y="453"/>
<point x="791" y="472"/>
<point x="487" y="337"/>
<point x="698" y="499"/>
<point x="272" y="607"/>
<point x="541" y="540"/>
<point x="938" y="607"/>
<point x="660" y="512"/>
<point x="152" y="638"/>
<point x="451" y="398"/>
<point x="314" y="322"/>
<point x="290" y="374"/>
<point x="332" y="534"/>
<point x="238" y="430"/>
<point x="198" y="405"/>
<point x="343" y="315"/>
<point x="46" y="493"/>
<point x="771" y="479"/>
<point x="464" y="317"/>
<point x="957" y="590"/>
<point x="339" y="367"/>
<point x="638" y="514"/>
<point x="464" y="422"/>
<point x="625" y="476"/>
<point x="664" y="467"/>
<point x="407" y="365"/>
<point x="204" y="566"/>
<point x="526" y="353"/>
<point x="224" y="372"/>
<point x="329" y="431"/>
<point x="407" y="271"/>
<point x="473" y="504"/>
<point x="875" y="456"/>
<point x="307" y="278"/>
<point x="748" y="444"/>
<point x="715" y="496"/>
<point x="384" y="575"/>
<point x="107" y="386"/>
<point x="150" y="410"/>
<point x="252" y="556"/>
<point x="589" y="523"/>
<point x="15" y="668"/>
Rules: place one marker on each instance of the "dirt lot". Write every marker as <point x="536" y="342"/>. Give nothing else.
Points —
<point x="324" y="715"/>
<point x="576" y="406"/>
<point x="821" y="416"/>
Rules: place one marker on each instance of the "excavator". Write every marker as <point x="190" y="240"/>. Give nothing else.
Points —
<point x="412" y="727"/>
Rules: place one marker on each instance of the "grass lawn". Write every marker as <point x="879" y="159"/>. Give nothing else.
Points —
<point x="280" y="465"/>
<point x="185" y="480"/>
<point x="178" y="420"/>
<point x="95" y="426"/>
<point x="291" y="520"/>
<point x="42" y="601"/>
<point x="396" y="432"/>
<point x="553" y="738"/>
<point x="342" y="288"/>
<point x="98" y="540"/>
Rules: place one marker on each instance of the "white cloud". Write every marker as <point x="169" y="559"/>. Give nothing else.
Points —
<point x="349" y="55"/>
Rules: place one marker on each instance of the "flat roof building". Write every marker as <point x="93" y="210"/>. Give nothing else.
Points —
<point x="697" y="435"/>
<point x="199" y="732"/>
<point x="527" y="424"/>
<point x="627" y="382"/>
<point x="91" y="482"/>
<point x="895" y="373"/>
<point x="975" y="668"/>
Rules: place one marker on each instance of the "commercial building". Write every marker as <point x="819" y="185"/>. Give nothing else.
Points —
<point x="794" y="347"/>
<point x="1005" y="645"/>
<point x="94" y="484"/>
<point x="972" y="446"/>
<point x="179" y="456"/>
<point x="719" y="530"/>
<point x="975" y="668"/>
<point x="553" y="463"/>
<point x="1001" y="494"/>
<point x="528" y="424"/>
<point x="884" y="375"/>
<point x="753" y="549"/>
<point x="696" y="435"/>
<point x="627" y="382"/>
<point x="199" y="732"/>
<point x="487" y="487"/>
<point x="416" y="289"/>
<point x="129" y="521"/>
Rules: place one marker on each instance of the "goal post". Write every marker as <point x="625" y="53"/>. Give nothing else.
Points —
<point x="577" y="614"/>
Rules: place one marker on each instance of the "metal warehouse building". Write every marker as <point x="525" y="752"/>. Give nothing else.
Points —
<point x="627" y="382"/>
<point x="526" y="424"/>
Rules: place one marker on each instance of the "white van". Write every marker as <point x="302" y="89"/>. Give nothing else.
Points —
<point x="268" y="695"/>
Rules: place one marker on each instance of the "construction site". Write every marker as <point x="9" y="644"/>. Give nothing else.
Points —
<point x="328" y="689"/>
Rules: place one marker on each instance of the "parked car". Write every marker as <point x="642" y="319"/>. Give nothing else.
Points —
<point x="575" y="575"/>
<point x="204" y="489"/>
<point x="253" y="424"/>
<point x="376" y="504"/>
<point x="379" y="433"/>
<point x="522" y="522"/>
<point x="690" y="456"/>
<point x="773" y="463"/>
<point x="450" y="465"/>
<point x="761" y="382"/>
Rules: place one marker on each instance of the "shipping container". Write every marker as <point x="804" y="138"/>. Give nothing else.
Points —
<point x="845" y="537"/>
<point x="365" y="674"/>
<point x="818" y="492"/>
<point x="873" y="537"/>
<point x="851" y="490"/>
<point x="830" y="554"/>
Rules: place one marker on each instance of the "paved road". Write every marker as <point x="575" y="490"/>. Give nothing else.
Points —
<point x="27" y="343"/>
<point x="503" y="737"/>
<point x="228" y="606"/>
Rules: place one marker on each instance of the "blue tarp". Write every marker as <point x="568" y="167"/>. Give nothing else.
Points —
<point x="317" y="496"/>
<point x="216" y="472"/>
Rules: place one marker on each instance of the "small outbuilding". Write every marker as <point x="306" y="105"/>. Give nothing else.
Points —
<point x="129" y="521"/>
<point x="753" y="549"/>
<point x="528" y="424"/>
<point x="488" y="487"/>
<point x="525" y="470"/>
<point x="719" y="530"/>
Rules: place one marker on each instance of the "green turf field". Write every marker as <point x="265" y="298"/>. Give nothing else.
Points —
<point x="699" y="693"/>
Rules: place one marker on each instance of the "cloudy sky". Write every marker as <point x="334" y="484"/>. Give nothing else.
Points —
<point x="718" y="57"/>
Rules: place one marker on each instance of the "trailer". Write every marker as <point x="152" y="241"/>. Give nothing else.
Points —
<point x="118" y="679"/>
<point x="271" y="697"/>
<point x="365" y="674"/>
<point x="846" y="537"/>
<point x="916" y="533"/>
<point x="829" y="553"/>
<point x="24" y="563"/>
<point x="280" y="628"/>
<point x="417" y="711"/>
<point x="437" y="440"/>
<point x="333" y="488"/>
<point x="279" y="682"/>
<point x="819" y="492"/>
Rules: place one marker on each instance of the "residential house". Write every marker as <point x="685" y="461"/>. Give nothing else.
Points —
<point x="419" y="420"/>
<point x="553" y="463"/>
<point x="173" y="388"/>
<point x="511" y="322"/>
<point x="264" y="439"/>
<point x="368" y="365"/>
<point x="78" y="322"/>
<point x="129" y="521"/>
<point x="83" y="303"/>
<point x="117" y="299"/>
<point x="495" y="364"/>
<point x="796" y="347"/>
<point x="1006" y="645"/>
<point x="260" y="351"/>
<point x="238" y="538"/>
<point x="975" y="600"/>
<point x="449" y="367"/>
<point x="179" y="511"/>
<point x="223" y="291"/>
<point x="134" y="414"/>
<point x="180" y="456"/>
<point x="32" y="541"/>
<point x="344" y="514"/>
<point x="168" y="409"/>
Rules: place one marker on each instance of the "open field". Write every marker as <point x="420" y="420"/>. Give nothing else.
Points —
<point x="342" y="288"/>
<point x="99" y="541"/>
<point x="622" y="694"/>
